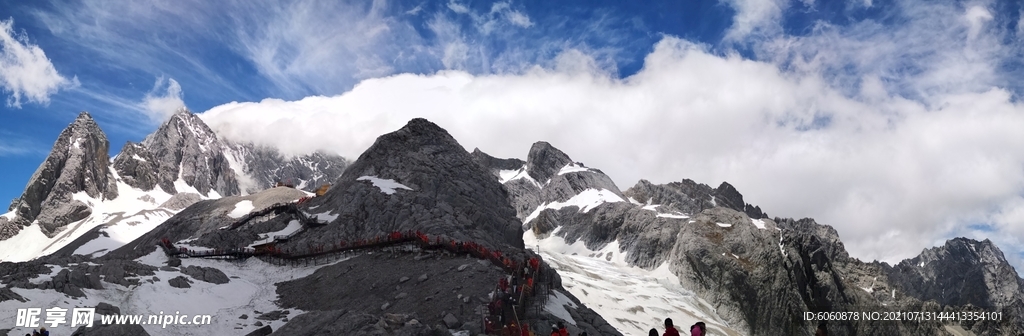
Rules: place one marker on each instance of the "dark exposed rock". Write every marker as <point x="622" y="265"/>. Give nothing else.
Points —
<point x="77" y="163"/>
<point x="8" y="294"/>
<point x="179" y="282"/>
<point x="208" y="274"/>
<point x="263" y="331"/>
<point x="136" y="166"/>
<point x="544" y="161"/>
<point x="271" y="316"/>
<point x="450" y="194"/>
<point x="495" y="164"/>
<point x="107" y="309"/>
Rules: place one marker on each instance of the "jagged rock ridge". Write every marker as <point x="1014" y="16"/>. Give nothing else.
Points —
<point x="77" y="163"/>
<point x="762" y="274"/>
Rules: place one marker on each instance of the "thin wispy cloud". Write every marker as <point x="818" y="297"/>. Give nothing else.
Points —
<point x="26" y="74"/>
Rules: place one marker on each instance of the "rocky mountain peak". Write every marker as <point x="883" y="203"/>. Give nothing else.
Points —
<point x="962" y="271"/>
<point x="494" y="163"/>
<point x="76" y="163"/>
<point x="544" y="161"/>
<point x="186" y="149"/>
<point x="418" y="178"/>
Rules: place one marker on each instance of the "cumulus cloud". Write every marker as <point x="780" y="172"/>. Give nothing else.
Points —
<point x="163" y="100"/>
<point x="25" y="71"/>
<point x="892" y="174"/>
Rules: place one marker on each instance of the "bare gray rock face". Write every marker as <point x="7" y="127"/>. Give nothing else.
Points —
<point x="208" y="274"/>
<point x="552" y="177"/>
<point x="136" y="166"/>
<point x="179" y="282"/>
<point x="450" y="194"/>
<point x="186" y="147"/>
<point x="544" y="161"/>
<point x="77" y="163"/>
<point x="691" y="197"/>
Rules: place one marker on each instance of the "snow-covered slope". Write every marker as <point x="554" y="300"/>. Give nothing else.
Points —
<point x="118" y="221"/>
<point x="632" y="299"/>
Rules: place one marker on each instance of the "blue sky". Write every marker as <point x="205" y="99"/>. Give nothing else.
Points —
<point x="894" y="121"/>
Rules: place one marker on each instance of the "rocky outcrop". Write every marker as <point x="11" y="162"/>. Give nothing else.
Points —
<point x="416" y="178"/>
<point x="181" y="200"/>
<point x="208" y="274"/>
<point x="549" y="175"/>
<point x="495" y="164"/>
<point x="690" y="197"/>
<point x="76" y="164"/>
<point x="185" y="148"/>
<point x="544" y="161"/>
<point x="136" y="166"/>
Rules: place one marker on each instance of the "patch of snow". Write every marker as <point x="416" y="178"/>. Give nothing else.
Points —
<point x="293" y="226"/>
<point x="634" y="201"/>
<point x="867" y="289"/>
<point x="241" y="209"/>
<point x="556" y="306"/>
<point x="893" y="293"/>
<point x="781" y="249"/>
<point x="921" y="264"/>
<point x="759" y="223"/>
<point x="236" y="161"/>
<point x="672" y="215"/>
<point x="735" y="256"/>
<point x="509" y="175"/>
<point x="725" y="225"/>
<point x="651" y="207"/>
<point x="324" y="217"/>
<point x="713" y="202"/>
<point x="9" y="215"/>
<point x="630" y="298"/>
<point x="386" y="186"/>
<point x="138" y="158"/>
<point x="124" y="232"/>
<point x="586" y="200"/>
<point x="573" y="168"/>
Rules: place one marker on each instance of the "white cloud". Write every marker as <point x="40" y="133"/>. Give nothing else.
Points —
<point x="976" y="17"/>
<point x="892" y="175"/>
<point x="163" y="100"/>
<point x="457" y="7"/>
<point x="755" y="17"/>
<point x="25" y="71"/>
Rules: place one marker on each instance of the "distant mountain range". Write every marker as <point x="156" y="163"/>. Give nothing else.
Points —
<point x="625" y="260"/>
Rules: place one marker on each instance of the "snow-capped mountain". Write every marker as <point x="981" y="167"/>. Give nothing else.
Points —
<point x="695" y="253"/>
<point x="418" y="179"/>
<point x="613" y="262"/>
<point x="81" y="197"/>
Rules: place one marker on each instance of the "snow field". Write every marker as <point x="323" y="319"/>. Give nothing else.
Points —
<point x="386" y="186"/>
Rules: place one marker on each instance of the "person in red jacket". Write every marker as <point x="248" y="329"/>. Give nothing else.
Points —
<point x="562" y="331"/>
<point x="670" y="330"/>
